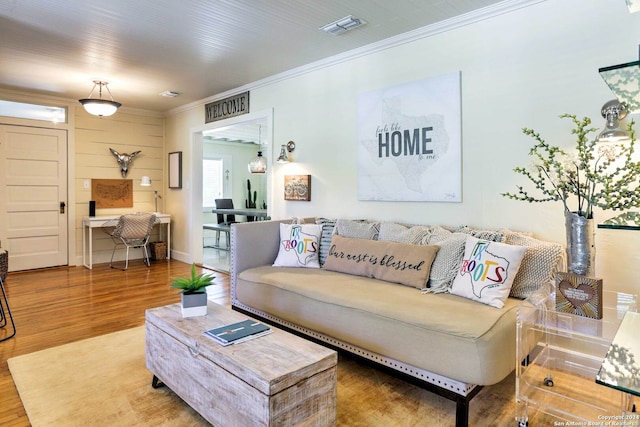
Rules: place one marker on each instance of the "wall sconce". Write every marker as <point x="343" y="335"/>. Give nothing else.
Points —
<point x="284" y="150"/>
<point x="145" y="181"/>
<point x="613" y="111"/>
<point x="98" y="106"/>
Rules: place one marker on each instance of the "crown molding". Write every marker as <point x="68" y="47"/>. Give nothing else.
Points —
<point x="479" y="15"/>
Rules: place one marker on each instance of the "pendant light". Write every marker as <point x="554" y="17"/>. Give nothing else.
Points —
<point x="258" y="164"/>
<point x="98" y="106"/>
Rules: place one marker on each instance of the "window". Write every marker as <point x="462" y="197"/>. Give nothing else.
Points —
<point x="23" y="110"/>
<point x="212" y="182"/>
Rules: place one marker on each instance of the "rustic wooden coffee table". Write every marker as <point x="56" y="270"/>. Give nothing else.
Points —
<point x="274" y="380"/>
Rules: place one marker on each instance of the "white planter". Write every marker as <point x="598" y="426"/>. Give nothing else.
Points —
<point x="194" y="304"/>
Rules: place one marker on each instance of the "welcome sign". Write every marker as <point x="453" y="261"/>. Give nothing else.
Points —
<point x="409" y="141"/>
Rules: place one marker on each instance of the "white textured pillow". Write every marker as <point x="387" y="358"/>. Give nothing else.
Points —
<point x="299" y="246"/>
<point x="539" y="264"/>
<point x="357" y="229"/>
<point x="487" y="271"/>
<point x="448" y="260"/>
<point x="393" y="232"/>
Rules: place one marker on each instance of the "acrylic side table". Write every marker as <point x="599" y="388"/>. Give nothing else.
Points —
<point x="558" y="357"/>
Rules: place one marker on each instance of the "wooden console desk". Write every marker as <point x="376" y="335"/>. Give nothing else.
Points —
<point x="91" y="222"/>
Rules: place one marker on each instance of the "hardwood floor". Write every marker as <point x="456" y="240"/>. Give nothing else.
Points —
<point x="57" y="306"/>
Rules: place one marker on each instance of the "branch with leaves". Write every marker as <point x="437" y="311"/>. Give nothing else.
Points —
<point x="600" y="175"/>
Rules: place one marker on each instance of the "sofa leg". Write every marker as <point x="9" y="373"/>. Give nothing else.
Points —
<point x="462" y="413"/>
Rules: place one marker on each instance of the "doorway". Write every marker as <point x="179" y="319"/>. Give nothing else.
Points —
<point x="236" y="140"/>
<point x="33" y="196"/>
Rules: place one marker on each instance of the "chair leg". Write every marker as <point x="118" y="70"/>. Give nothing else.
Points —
<point x="112" y="254"/>
<point x="4" y="301"/>
<point x="228" y="240"/>
<point x="126" y="261"/>
<point x="146" y="254"/>
<point x="218" y="238"/>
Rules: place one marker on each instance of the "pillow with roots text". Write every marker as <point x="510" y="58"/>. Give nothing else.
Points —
<point x="487" y="271"/>
<point x="299" y="246"/>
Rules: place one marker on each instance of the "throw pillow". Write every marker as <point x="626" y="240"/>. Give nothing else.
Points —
<point x="447" y="263"/>
<point x="393" y="232"/>
<point x="487" y="271"/>
<point x="357" y="229"/>
<point x="325" y="238"/>
<point x="299" y="244"/>
<point x="540" y="262"/>
<point x="389" y="261"/>
<point x="493" y="235"/>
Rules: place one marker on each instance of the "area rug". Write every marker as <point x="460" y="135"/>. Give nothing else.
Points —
<point x="104" y="381"/>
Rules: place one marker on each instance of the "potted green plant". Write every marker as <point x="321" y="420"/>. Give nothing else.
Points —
<point x="602" y="175"/>
<point x="194" y="294"/>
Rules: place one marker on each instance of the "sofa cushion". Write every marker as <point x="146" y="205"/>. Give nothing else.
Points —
<point x="299" y="245"/>
<point x="487" y="271"/>
<point x="459" y="338"/>
<point x="393" y="262"/>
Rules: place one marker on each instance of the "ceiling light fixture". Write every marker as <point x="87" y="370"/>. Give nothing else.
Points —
<point x="170" y="94"/>
<point x="258" y="164"/>
<point x="98" y="106"/>
<point x="343" y="25"/>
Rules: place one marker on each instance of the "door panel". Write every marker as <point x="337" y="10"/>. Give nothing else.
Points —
<point x="34" y="172"/>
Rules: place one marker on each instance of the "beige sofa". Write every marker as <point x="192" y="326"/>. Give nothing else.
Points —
<point x="448" y="344"/>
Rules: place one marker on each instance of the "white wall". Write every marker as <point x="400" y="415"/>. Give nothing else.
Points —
<point x="520" y="69"/>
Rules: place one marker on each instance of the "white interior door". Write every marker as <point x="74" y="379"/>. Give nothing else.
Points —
<point x="33" y="196"/>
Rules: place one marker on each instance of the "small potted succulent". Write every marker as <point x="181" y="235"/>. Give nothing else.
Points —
<point x="194" y="294"/>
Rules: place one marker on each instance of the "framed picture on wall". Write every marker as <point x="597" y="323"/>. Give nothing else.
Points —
<point x="175" y="169"/>
<point x="297" y="187"/>
<point x="112" y="193"/>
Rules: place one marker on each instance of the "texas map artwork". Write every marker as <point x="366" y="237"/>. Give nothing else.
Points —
<point x="484" y="269"/>
<point x="304" y="245"/>
<point x="409" y="141"/>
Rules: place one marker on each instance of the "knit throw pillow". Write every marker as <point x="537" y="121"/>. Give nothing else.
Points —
<point x="540" y="262"/>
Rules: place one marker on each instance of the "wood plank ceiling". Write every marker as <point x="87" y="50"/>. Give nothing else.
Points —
<point x="195" y="47"/>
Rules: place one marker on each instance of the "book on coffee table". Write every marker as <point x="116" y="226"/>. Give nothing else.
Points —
<point x="238" y="332"/>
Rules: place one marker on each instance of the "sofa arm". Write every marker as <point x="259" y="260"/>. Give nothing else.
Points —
<point x="253" y="244"/>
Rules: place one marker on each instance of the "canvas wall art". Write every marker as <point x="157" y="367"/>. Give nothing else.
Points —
<point x="409" y="141"/>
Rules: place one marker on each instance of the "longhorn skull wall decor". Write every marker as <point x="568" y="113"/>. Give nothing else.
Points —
<point x="124" y="160"/>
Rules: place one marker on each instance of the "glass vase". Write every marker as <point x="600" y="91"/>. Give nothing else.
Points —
<point x="581" y="250"/>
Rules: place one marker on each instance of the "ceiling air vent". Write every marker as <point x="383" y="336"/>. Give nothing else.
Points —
<point x="343" y="25"/>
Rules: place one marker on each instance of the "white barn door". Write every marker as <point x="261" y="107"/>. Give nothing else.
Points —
<point x="33" y="196"/>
